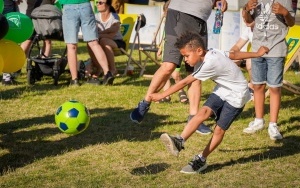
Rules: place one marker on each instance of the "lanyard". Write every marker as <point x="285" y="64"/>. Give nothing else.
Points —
<point x="266" y="15"/>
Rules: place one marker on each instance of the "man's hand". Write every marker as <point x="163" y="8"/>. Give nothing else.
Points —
<point x="277" y="8"/>
<point x="223" y="3"/>
<point x="156" y="96"/>
<point x="262" y="50"/>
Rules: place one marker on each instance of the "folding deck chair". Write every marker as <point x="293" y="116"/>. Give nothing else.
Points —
<point x="128" y="22"/>
<point x="293" y="41"/>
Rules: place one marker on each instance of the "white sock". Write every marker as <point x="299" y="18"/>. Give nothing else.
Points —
<point x="203" y="159"/>
<point x="272" y="124"/>
<point x="258" y="120"/>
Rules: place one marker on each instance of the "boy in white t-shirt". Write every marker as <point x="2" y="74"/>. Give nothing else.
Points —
<point x="224" y="104"/>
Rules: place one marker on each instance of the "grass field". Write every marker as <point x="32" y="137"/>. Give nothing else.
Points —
<point x="114" y="152"/>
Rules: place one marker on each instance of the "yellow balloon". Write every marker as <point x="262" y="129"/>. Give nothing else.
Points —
<point x="13" y="56"/>
<point x="1" y="62"/>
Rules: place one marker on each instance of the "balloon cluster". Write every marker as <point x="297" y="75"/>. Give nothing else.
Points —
<point x="15" y="28"/>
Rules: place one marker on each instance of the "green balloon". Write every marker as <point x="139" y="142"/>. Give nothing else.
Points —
<point x="1" y="6"/>
<point x="57" y="4"/>
<point x="20" y="27"/>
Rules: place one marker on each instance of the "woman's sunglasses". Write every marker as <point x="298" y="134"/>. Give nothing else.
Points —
<point x="100" y="2"/>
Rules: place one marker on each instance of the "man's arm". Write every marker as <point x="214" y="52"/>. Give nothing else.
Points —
<point x="181" y="84"/>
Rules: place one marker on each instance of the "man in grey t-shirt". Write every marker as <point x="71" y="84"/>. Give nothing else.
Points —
<point x="182" y="16"/>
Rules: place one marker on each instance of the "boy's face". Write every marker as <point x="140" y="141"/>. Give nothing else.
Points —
<point x="191" y="56"/>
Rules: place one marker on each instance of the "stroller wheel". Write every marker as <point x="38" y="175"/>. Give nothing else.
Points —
<point x="55" y="77"/>
<point x="30" y="77"/>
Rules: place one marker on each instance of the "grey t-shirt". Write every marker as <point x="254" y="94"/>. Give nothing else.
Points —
<point x="270" y="30"/>
<point x="199" y="8"/>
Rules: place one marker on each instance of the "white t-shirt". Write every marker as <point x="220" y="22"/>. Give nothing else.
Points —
<point x="247" y="34"/>
<point x="113" y="18"/>
<point x="231" y="86"/>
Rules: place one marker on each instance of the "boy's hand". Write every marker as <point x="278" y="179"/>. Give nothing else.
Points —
<point x="156" y="97"/>
<point x="251" y="4"/>
<point x="277" y="8"/>
<point x="262" y="50"/>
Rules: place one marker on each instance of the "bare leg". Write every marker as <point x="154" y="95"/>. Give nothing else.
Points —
<point x="203" y="114"/>
<point x="275" y="96"/>
<point x="99" y="54"/>
<point x="72" y="60"/>
<point x="214" y="142"/>
<point x="259" y="100"/>
<point x="194" y="93"/>
<point x="159" y="79"/>
<point x="108" y="45"/>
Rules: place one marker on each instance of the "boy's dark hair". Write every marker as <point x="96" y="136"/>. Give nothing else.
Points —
<point x="190" y="39"/>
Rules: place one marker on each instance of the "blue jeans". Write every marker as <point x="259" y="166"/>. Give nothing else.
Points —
<point x="267" y="70"/>
<point x="224" y="113"/>
<point x="76" y="16"/>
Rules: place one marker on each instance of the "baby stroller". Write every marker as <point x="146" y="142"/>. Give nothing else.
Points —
<point x="47" y="21"/>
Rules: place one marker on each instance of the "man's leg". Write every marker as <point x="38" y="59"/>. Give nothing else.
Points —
<point x="158" y="81"/>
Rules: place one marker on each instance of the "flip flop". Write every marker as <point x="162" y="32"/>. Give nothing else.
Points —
<point x="164" y="100"/>
<point x="183" y="98"/>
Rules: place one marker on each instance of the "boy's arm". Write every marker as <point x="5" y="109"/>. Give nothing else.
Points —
<point x="181" y="84"/>
<point x="235" y="55"/>
<point x="277" y="8"/>
<point x="250" y="5"/>
<point x="238" y="45"/>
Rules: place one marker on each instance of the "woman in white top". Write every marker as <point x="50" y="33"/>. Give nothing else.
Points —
<point x="110" y="37"/>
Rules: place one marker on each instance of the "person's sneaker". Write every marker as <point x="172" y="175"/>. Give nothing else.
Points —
<point x="274" y="132"/>
<point x="137" y="115"/>
<point x="74" y="82"/>
<point x="108" y="79"/>
<point x="202" y="128"/>
<point x="253" y="127"/>
<point x="9" y="82"/>
<point x="94" y="81"/>
<point x="194" y="166"/>
<point x="173" y="144"/>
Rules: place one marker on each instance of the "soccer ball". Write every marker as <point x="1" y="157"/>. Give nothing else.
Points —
<point x="72" y="117"/>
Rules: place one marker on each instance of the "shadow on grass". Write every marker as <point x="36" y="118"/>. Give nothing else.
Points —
<point x="107" y="125"/>
<point x="290" y="146"/>
<point x="150" y="169"/>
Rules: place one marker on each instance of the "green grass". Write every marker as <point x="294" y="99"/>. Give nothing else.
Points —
<point x="114" y="152"/>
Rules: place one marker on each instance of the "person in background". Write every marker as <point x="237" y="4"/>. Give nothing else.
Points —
<point x="79" y="14"/>
<point x="181" y="16"/>
<point x="110" y="37"/>
<point x="245" y="37"/>
<point x="272" y="20"/>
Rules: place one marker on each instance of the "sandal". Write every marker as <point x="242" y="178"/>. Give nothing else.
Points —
<point x="183" y="98"/>
<point x="164" y="100"/>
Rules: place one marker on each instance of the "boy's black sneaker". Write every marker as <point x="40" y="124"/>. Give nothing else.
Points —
<point x="74" y="82"/>
<point x="194" y="166"/>
<point x="173" y="144"/>
<point x="108" y="78"/>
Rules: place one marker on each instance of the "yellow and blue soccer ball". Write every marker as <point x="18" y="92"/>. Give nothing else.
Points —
<point x="72" y="117"/>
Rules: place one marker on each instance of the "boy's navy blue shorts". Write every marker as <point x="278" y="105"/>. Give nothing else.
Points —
<point x="224" y="113"/>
